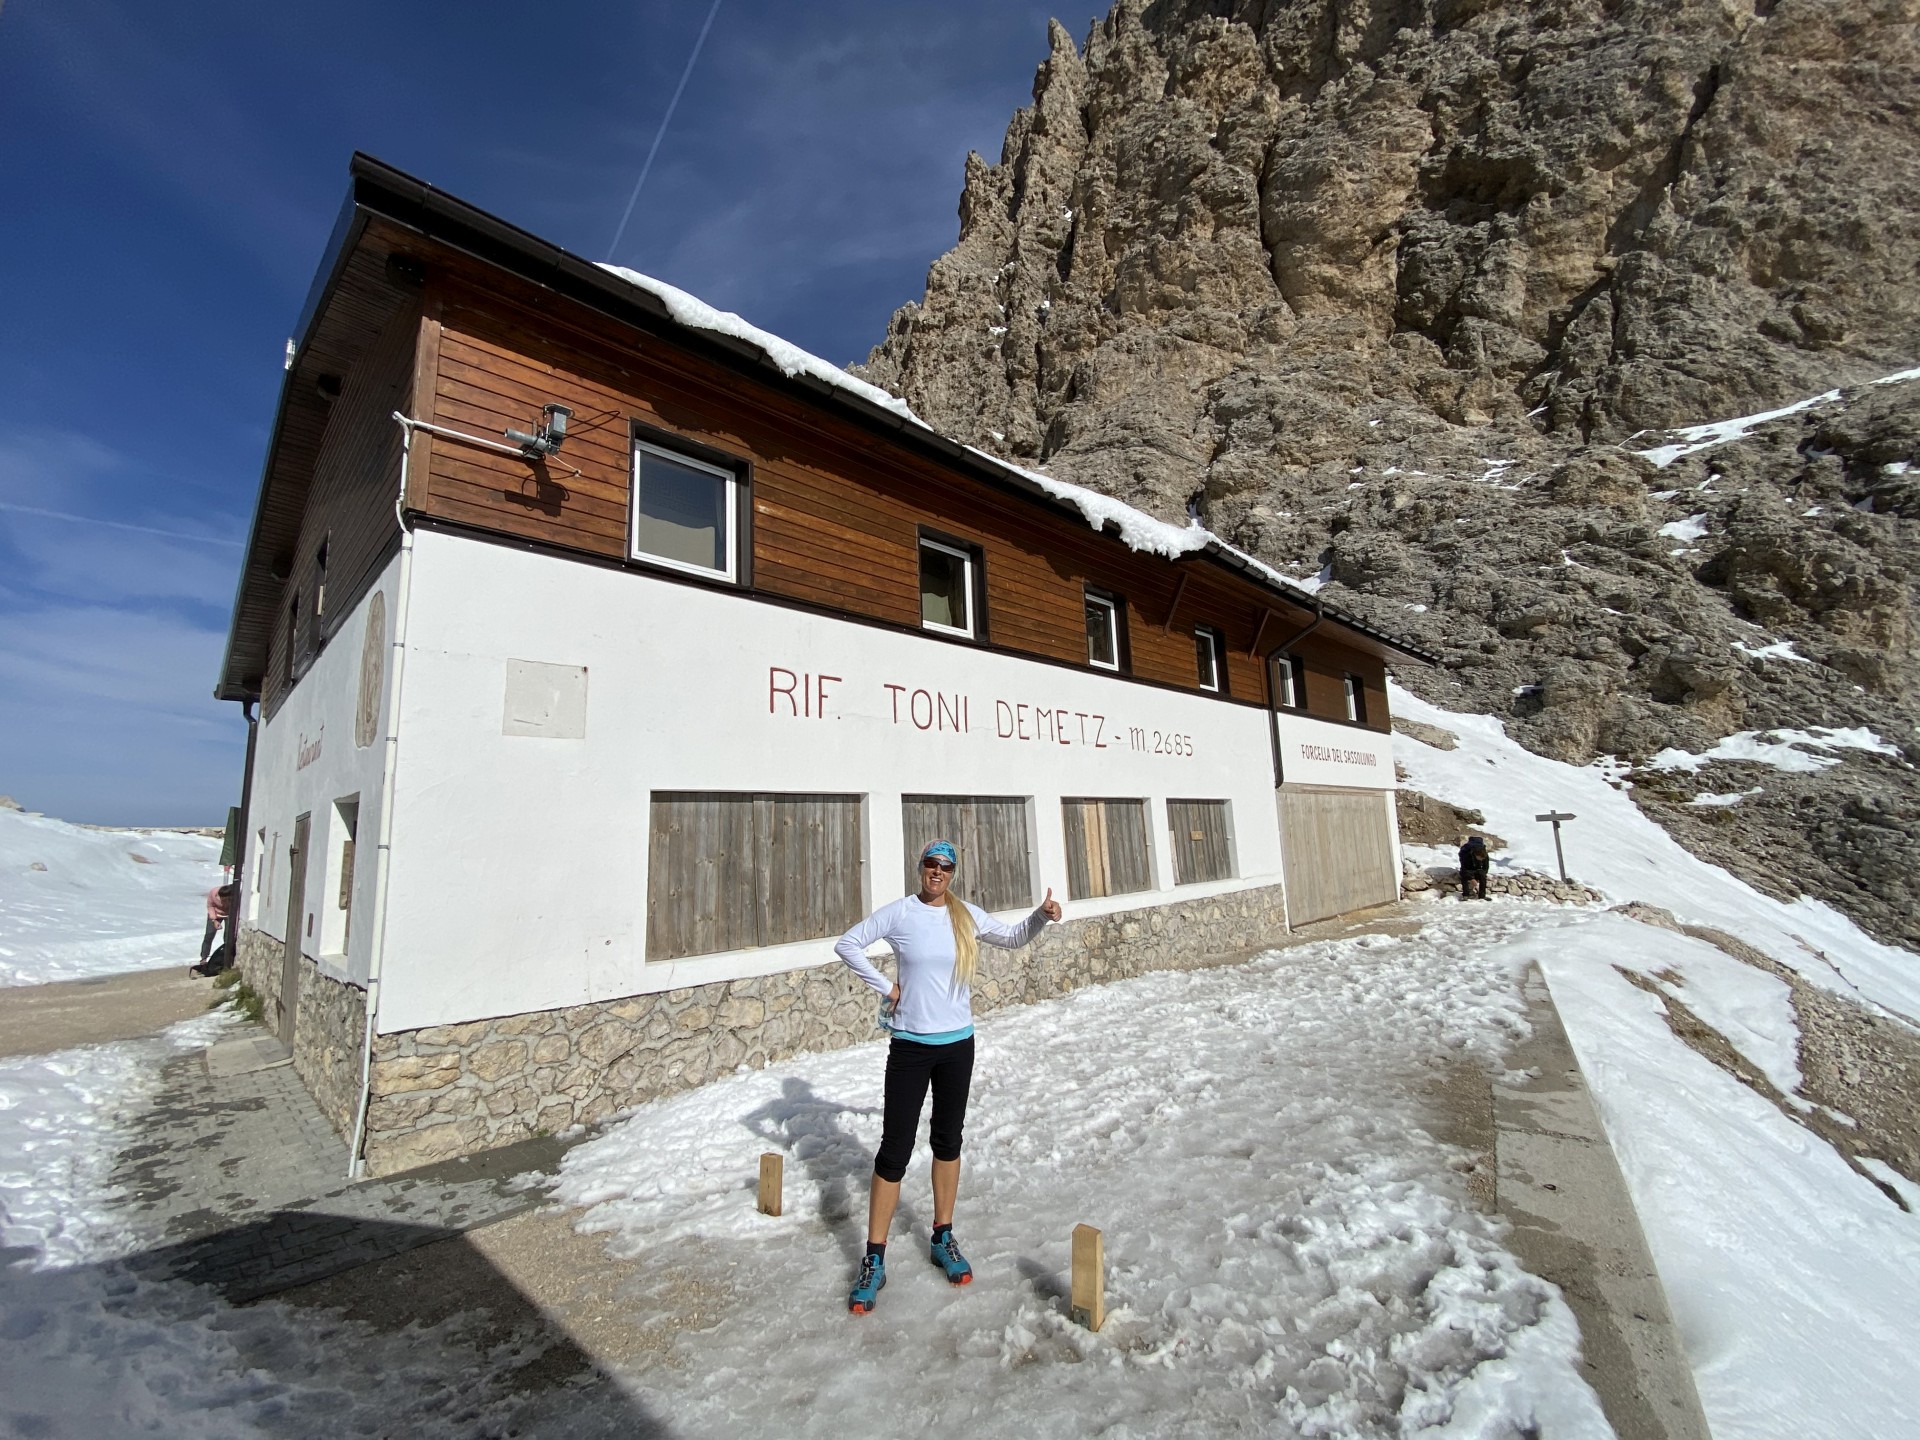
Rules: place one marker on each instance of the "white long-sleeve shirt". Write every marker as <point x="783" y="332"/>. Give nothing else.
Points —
<point x="921" y="938"/>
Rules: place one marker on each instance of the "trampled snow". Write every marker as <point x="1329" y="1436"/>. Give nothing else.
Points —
<point x="96" y="909"/>
<point x="1289" y="1250"/>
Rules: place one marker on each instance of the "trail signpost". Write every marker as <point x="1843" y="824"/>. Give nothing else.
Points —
<point x="1556" y="816"/>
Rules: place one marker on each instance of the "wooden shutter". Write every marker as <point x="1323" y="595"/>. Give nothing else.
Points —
<point x="989" y="832"/>
<point x="732" y="871"/>
<point x="1198" y="831"/>
<point x="1107" y="850"/>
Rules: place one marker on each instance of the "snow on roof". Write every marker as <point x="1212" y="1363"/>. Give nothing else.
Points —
<point x="1136" y="528"/>
<point x="696" y="314"/>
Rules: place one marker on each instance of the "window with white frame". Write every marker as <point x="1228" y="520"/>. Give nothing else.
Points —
<point x="946" y="588"/>
<point x="1103" y="631"/>
<point x="685" y="512"/>
<point x="1209" y="658"/>
<point x="1289" y="682"/>
<point x="1356" y="700"/>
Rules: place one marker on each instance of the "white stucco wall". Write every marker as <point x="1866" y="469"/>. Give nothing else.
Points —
<point x="305" y="761"/>
<point x="520" y="859"/>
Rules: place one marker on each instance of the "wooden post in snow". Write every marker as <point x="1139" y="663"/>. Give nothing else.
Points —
<point x="771" y="1170"/>
<point x="1089" y="1304"/>
<point x="1556" y="816"/>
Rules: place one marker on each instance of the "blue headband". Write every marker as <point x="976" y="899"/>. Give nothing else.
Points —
<point x="940" y="850"/>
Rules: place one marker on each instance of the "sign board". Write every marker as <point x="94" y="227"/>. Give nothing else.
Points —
<point x="1314" y="752"/>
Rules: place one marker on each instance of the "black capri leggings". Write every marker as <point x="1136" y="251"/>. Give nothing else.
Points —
<point x="911" y="1068"/>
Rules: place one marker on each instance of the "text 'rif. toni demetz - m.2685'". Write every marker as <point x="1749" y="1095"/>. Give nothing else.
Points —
<point x="805" y="696"/>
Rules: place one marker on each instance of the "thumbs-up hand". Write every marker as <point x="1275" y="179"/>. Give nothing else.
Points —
<point x="1050" y="907"/>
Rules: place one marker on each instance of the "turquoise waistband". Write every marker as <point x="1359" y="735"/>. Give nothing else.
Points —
<point x="945" y="1037"/>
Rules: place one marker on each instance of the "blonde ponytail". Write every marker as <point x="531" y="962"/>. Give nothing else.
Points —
<point x="966" y="944"/>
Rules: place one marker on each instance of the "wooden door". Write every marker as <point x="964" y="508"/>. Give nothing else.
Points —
<point x="1337" y="851"/>
<point x="288" y="1005"/>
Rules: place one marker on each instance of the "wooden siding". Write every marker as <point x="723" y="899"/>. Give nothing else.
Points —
<point x="1107" y="850"/>
<point x="989" y="834"/>
<point x="356" y="479"/>
<point x="834" y="512"/>
<point x="1338" y="852"/>
<point x="1197" y="830"/>
<point x="731" y="871"/>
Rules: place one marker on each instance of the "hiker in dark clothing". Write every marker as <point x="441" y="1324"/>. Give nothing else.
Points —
<point x="1473" y="867"/>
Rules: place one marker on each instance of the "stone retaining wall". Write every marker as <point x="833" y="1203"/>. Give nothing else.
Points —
<point x="455" y="1089"/>
<point x="1527" y="885"/>
<point x="328" y="1032"/>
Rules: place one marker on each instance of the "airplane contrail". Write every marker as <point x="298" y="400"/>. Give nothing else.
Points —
<point x="659" y="134"/>
<point x="120" y="524"/>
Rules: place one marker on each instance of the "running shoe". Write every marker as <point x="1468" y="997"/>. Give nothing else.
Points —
<point x="946" y="1254"/>
<point x="873" y="1279"/>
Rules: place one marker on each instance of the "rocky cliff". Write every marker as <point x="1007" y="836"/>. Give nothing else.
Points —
<point x="1395" y="295"/>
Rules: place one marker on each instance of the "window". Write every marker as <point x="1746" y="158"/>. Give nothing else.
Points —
<point x="947" y="588"/>
<point x="990" y="834"/>
<point x="336" y="915"/>
<point x="1289" y="681"/>
<point x="1103" y="630"/>
<point x="262" y="858"/>
<point x="731" y="871"/>
<point x="1356" y="699"/>
<point x="320" y="578"/>
<point x="1107" y="850"/>
<point x="1210" y="658"/>
<point x="1201" y="831"/>
<point x="684" y="512"/>
<point x="296" y="665"/>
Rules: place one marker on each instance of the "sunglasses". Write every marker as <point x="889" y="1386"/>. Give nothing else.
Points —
<point x="932" y="864"/>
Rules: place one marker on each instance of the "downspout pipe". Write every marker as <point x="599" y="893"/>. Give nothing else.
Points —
<point x="246" y="833"/>
<point x="1273" y="736"/>
<point x="1273" y="704"/>
<point x="383" y="855"/>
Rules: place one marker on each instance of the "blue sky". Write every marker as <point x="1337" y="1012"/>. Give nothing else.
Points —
<point x="171" y="174"/>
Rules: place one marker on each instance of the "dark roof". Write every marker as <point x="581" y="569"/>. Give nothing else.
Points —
<point x="352" y="295"/>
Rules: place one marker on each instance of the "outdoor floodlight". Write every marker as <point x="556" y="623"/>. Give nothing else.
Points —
<point x="546" y="440"/>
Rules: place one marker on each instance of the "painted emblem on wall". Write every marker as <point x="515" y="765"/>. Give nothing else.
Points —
<point x="373" y="659"/>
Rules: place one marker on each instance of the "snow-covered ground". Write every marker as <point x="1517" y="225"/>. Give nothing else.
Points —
<point x="1791" y="1277"/>
<point x="1289" y="1249"/>
<point x="76" y="901"/>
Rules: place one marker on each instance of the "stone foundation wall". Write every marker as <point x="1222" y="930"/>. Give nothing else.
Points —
<point x="328" y="1033"/>
<point x="455" y="1089"/>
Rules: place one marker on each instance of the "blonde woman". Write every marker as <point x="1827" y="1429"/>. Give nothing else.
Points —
<point x="935" y="939"/>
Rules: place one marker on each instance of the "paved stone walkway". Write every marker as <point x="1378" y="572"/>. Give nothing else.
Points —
<point x="240" y="1182"/>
